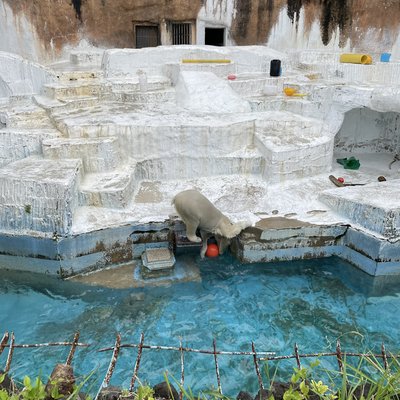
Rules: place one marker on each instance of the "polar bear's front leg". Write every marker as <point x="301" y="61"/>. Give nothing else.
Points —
<point x="204" y="236"/>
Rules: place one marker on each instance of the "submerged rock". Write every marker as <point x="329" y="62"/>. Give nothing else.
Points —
<point x="110" y="393"/>
<point x="244" y="396"/>
<point x="164" y="390"/>
<point x="263" y="394"/>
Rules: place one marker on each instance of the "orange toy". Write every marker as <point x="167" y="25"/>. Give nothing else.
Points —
<point x="212" y="250"/>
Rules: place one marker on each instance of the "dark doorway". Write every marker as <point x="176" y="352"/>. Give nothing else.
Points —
<point x="215" y="36"/>
<point x="147" y="36"/>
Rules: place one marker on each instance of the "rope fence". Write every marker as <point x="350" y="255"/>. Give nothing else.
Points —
<point x="8" y="342"/>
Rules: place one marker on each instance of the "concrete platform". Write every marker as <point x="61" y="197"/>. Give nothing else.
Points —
<point x="158" y="259"/>
<point x="111" y="152"/>
<point x="108" y="189"/>
<point x="375" y="206"/>
<point x="305" y="149"/>
<point x="97" y="154"/>
<point x="276" y="238"/>
<point x="129" y="276"/>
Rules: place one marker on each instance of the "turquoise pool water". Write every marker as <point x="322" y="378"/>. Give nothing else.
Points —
<point x="309" y="302"/>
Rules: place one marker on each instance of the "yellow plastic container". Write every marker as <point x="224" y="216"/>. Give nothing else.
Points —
<point x="205" y="61"/>
<point x="289" y="91"/>
<point x="356" y="59"/>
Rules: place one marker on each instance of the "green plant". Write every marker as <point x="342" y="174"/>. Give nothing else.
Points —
<point x="144" y="393"/>
<point x="6" y="396"/>
<point x="35" y="391"/>
<point x="302" y="387"/>
<point x="352" y="382"/>
<point x="380" y="383"/>
<point x="270" y="373"/>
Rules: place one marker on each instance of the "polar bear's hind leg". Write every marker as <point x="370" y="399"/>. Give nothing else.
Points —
<point x="191" y="228"/>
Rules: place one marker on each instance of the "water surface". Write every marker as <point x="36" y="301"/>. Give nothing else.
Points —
<point x="311" y="303"/>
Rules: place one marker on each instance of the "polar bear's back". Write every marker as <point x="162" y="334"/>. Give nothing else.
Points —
<point x="191" y="205"/>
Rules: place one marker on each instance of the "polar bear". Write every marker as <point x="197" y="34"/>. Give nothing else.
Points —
<point x="197" y="211"/>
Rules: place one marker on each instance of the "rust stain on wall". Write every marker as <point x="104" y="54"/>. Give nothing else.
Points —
<point x="110" y="23"/>
<point x="102" y="22"/>
<point x="355" y="19"/>
<point x="55" y="22"/>
<point x="381" y="16"/>
<point x="333" y="14"/>
<point x="254" y="20"/>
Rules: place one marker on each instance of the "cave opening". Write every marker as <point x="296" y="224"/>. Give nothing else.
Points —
<point x="214" y="36"/>
<point x="368" y="131"/>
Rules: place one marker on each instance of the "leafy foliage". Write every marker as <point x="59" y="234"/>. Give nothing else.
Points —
<point x="36" y="390"/>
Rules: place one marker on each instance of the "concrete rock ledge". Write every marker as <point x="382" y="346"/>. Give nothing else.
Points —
<point x="282" y="239"/>
<point x="93" y="148"/>
<point x="271" y="240"/>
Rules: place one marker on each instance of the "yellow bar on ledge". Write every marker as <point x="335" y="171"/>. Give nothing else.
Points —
<point x="356" y="58"/>
<point x="204" y="61"/>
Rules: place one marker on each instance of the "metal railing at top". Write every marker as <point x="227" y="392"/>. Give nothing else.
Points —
<point x="256" y="356"/>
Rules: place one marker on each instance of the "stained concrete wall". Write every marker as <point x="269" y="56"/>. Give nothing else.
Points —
<point x="41" y="30"/>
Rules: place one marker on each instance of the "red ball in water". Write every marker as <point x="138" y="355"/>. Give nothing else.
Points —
<point x="212" y="250"/>
<point x="231" y="77"/>
<point x="341" y="180"/>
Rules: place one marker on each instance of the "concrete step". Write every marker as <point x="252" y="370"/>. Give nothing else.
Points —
<point x="278" y="238"/>
<point x="304" y="150"/>
<point x="65" y="105"/>
<point x="28" y="116"/>
<point x="16" y="144"/>
<point x="180" y="239"/>
<point x="157" y="263"/>
<point x="189" y="167"/>
<point x="92" y="121"/>
<point x="151" y="83"/>
<point x="221" y="70"/>
<point x="39" y="195"/>
<point x="111" y="189"/>
<point x="141" y="97"/>
<point x="375" y="206"/>
<point x="84" y="87"/>
<point x="250" y="85"/>
<point x="75" y="75"/>
<point x="296" y="105"/>
<point x="97" y="155"/>
<point x="153" y="133"/>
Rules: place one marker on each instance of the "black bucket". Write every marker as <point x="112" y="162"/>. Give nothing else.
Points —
<point x="275" y="68"/>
